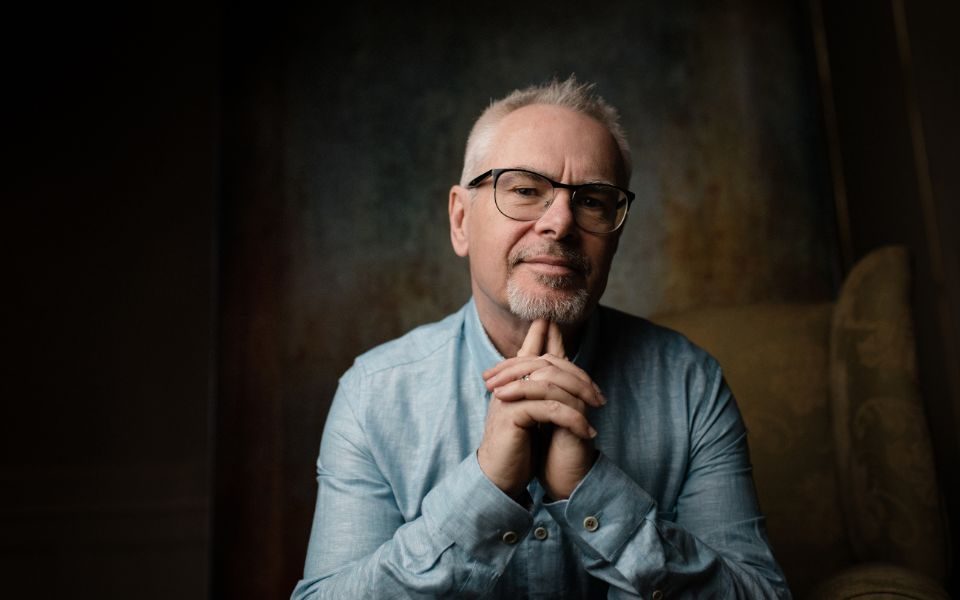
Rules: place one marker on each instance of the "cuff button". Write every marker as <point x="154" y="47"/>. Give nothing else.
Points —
<point x="657" y="595"/>
<point x="591" y="523"/>
<point x="510" y="537"/>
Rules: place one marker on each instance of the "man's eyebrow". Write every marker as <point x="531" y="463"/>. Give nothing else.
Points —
<point x="586" y="181"/>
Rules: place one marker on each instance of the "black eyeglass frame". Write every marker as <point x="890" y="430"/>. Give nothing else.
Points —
<point x="495" y="173"/>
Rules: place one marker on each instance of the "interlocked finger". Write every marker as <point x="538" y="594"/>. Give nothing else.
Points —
<point x="538" y="390"/>
<point x="536" y="362"/>
<point x="528" y="413"/>
<point x="514" y="368"/>
<point x="540" y="370"/>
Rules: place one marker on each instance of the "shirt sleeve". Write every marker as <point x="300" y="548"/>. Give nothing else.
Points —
<point x="361" y="547"/>
<point x="716" y="547"/>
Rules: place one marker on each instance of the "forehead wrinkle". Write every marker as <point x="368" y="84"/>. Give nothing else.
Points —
<point x="560" y="179"/>
<point x="552" y="136"/>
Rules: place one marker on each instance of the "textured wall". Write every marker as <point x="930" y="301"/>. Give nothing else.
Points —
<point x="717" y="98"/>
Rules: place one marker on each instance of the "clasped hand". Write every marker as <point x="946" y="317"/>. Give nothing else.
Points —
<point x="536" y="422"/>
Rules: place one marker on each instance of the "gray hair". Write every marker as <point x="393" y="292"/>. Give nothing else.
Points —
<point x="569" y="93"/>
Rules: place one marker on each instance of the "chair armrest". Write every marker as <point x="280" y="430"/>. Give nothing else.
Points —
<point x="878" y="580"/>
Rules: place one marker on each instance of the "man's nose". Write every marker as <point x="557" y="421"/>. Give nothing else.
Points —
<point x="558" y="222"/>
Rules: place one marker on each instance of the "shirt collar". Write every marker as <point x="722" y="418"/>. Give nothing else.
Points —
<point x="485" y="354"/>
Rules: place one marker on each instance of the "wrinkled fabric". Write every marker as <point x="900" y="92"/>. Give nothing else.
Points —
<point x="668" y="510"/>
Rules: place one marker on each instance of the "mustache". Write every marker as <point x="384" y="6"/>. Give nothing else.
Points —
<point x="576" y="260"/>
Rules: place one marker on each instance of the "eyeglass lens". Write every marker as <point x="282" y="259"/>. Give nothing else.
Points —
<point x="525" y="196"/>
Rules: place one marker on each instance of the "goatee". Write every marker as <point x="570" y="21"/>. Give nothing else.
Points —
<point x="567" y="304"/>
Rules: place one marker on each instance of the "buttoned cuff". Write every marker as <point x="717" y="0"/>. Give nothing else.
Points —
<point x="604" y="510"/>
<point x="476" y="515"/>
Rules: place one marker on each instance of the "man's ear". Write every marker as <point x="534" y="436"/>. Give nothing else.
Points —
<point x="459" y="209"/>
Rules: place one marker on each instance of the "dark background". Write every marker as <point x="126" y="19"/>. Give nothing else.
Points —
<point x="216" y="207"/>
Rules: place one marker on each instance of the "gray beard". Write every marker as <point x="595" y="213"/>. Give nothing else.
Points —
<point x="565" y="308"/>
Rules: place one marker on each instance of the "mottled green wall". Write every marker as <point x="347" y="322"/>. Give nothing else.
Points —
<point x="717" y="99"/>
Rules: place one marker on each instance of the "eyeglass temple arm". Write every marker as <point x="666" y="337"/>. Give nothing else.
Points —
<point x="476" y="180"/>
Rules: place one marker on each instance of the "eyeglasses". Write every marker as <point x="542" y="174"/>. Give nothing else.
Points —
<point x="523" y="195"/>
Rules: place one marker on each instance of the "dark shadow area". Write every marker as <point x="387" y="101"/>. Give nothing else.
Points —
<point x="216" y="208"/>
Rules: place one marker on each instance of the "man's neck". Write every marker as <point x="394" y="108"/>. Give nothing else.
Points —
<point x="507" y="331"/>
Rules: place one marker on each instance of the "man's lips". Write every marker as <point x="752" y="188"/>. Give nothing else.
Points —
<point x="552" y="261"/>
<point x="551" y="264"/>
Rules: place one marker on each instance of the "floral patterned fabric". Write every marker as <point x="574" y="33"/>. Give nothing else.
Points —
<point x="838" y="438"/>
<point x="775" y="358"/>
<point x="884" y="455"/>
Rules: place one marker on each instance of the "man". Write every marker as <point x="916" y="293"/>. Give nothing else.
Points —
<point x="446" y="470"/>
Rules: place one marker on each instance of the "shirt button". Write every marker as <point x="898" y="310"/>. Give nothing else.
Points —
<point x="657" y="595"/>
<point x="541" y="533"/>
<point x="510" y="538"/>
<point x="591" y="523"/>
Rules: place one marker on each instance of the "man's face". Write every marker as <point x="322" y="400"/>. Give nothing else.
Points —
<point x="548" y="268"/>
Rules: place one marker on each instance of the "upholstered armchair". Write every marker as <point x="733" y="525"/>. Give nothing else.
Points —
<point x="838" y="435"/>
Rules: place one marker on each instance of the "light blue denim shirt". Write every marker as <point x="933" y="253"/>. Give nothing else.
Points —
<point x="667" y="511"/>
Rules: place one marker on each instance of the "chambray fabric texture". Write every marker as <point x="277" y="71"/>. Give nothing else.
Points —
<point x="404" y="511"/>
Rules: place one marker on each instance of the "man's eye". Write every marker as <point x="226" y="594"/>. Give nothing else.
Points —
<point x="589" y="202"/>
<point x="525" y="191"/>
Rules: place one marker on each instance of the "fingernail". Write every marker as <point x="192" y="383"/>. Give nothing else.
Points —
<point x="603" y="399"/>
<point x="593" y="432"/>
